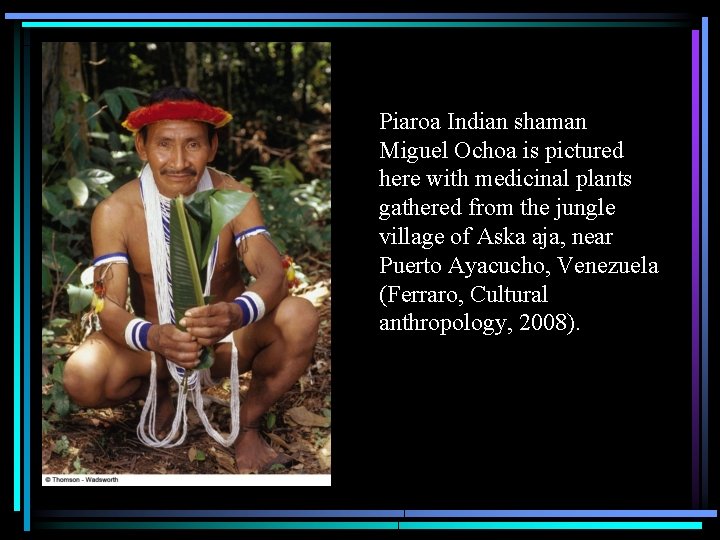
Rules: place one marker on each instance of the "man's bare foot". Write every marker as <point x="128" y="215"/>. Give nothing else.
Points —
<point x="252" y="453"/>
<point x="164" y="415"/>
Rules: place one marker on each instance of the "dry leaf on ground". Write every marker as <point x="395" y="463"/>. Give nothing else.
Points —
<point x="324" y="455"/>
<point x="300" y="415"/>
<point x="225" y="461"/>
<point x="277" y="439"/>
<point x="317" y="296"/>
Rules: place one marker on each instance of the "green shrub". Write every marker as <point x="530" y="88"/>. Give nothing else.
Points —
<point x="297" y="214"/>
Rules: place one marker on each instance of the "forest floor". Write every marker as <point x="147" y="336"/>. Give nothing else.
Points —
<point x="104" y="441"/>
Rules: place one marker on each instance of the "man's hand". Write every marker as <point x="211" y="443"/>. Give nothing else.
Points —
<point x="175" y="345"/>
<point x="209" y="324"/>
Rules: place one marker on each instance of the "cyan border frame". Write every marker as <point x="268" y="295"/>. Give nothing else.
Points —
<point x="17" y="364"/>
<point x="338" y="16"/>
<point x="373" y="525"/>
<point x="26" y="280"/>
<point x="695" y="266"/>
<point x="704" y="272"/>
<point x="353" y="24"/>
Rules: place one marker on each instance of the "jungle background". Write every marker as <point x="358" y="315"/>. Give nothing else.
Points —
<point x="278" y="143"/>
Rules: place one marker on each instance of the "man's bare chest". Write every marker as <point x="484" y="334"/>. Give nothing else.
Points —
<point x="140" y="257"/>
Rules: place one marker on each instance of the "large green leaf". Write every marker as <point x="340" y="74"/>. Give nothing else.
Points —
<point x="79" y="191"/>
<point x="96" y="176"/>
<point x="80" y="298"/>
<point x="114" y="103"/>
<point x="91" y="114"/>
<point x="186" y="284"/>
<point x="184" y="240"/>
<point x="47" y="161"/>
<point x="51" y="203"/>
<point x="57" y="372"/>
<point x="58" y="261"/>
<point x="60" y="400"/>
<point x="128" y="97"/>
<point x="206" y="213"/>
<point x="214" y="209"/>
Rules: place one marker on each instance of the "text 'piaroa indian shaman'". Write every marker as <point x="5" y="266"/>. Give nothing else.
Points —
<point x="478" y="121"/>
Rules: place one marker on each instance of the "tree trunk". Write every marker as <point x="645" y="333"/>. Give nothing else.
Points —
<point x="93" y="67"/>
<point x="71" y="63"/>
<point x="288" y="75"/>
<point x="192" y="66"/>
<point x="305" y="70"/>
<point x="229" y="108"/>
<point x="50" y="88"/>
<point x="173" y="68"/>
<point x="71" y="74"/>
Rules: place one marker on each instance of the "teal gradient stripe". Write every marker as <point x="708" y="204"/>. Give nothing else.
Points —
<point x="370" y="525"/>
<point x="219" y="525"/>
<point x="549" y="525"/>
<point x="336" y="514"/>
<point x="26" y="287"/>
<point x="17" y="365"/>
<point x="351" y="24"/>
<point x="339" y="16"/>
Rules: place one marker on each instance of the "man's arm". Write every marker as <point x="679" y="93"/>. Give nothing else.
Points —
<point x="109" y="224"/>
<point x="260" y="257"/>
<point x="107" y="239"/>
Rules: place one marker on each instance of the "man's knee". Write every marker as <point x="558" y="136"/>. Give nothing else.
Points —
<point x="298" y="322"/>
<point x="84" y="377"/>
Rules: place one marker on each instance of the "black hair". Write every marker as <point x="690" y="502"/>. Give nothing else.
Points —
<point x="176" y="93"/>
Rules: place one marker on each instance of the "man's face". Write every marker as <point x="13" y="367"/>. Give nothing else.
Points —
<point x="177" y="151"/>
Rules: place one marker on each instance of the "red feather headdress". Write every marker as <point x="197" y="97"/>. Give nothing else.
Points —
<point x="176" y="110"/>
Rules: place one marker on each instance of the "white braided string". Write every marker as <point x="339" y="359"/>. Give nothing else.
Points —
<point x="157" y="217"/>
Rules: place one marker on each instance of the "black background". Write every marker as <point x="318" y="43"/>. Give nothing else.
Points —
<point x="598" y="419"/>
<point x="585" y="420"/>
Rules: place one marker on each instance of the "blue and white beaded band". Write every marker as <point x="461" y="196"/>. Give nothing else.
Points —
<point x="252" y="306"/>
<point x="252" y="231"/>
<point x="136" y="334"/>
<point x="117" y="257"/>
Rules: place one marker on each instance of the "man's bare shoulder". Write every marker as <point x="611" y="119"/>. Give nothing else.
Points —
<point x="223" y="180"/>
<point x="120" y="205"/>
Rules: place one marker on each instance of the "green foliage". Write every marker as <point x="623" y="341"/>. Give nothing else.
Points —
<point x="212" y="210"/>
<point x="84" y="163"/>
<point x="79" y="469"/>
<point x="184" y="250"/>
<point x="80" y="298"/>
<point x="54" y="398"/>
<point x="196" y="455"/>
<point x="62" y="446"/>
<point x="47" y="427"/>
<point x="297" y="214"/>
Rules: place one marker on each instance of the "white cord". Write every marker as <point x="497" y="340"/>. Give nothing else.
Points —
<point x="160" y="266"/>
<point x="234" y="404"/>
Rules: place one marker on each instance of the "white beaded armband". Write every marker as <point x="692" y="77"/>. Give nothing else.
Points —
<point x="252" y="306"/>
<point x="136" y="334"/>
